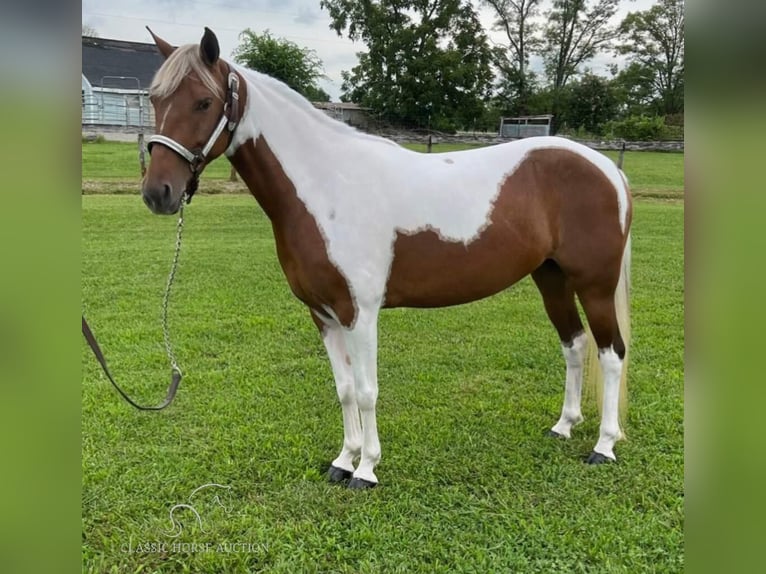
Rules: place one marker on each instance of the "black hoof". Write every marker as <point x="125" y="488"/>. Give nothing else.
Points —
<point x="554" y="434"/>
<point x="360" y="483"/>
<point x="336" y="474"/>
<point x="597" y="458"/>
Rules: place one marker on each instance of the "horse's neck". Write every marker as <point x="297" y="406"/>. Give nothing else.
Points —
<point x="295" y="131"/>
<point x="262" y="173"/>
<point x="287" y="146"/>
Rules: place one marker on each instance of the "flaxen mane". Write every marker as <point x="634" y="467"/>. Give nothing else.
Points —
<point x="182" y="62"/>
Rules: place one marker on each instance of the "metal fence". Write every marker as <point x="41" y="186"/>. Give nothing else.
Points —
<point x="119" y="101"/>
<point x="117" y="109"/>
<point x="525" y="126"/>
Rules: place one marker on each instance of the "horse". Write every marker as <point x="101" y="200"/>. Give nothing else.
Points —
<point x="362" y="224"/>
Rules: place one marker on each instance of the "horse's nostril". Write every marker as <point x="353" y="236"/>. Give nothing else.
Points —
<point x="167" y="191"/>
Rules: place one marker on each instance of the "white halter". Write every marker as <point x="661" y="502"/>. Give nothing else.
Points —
<point x="230" y="121"/>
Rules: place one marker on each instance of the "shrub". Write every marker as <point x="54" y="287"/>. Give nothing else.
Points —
<point x="637" y="128"/>
<point x="670" y="132"/>
<point x="93" y="138"/>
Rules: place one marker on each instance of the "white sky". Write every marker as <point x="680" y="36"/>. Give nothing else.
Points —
<point x="302" y="21"/>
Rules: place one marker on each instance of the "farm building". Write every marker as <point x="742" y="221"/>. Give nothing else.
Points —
<point x="525" y="126"/>
<point x="115" y="79"/>
<point x="348" y="112"/>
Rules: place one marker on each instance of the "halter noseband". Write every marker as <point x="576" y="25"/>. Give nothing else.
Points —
<point x="196" y="159"/>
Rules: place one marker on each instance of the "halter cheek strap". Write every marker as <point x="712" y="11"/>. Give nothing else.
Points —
<point x="229" y="121"/>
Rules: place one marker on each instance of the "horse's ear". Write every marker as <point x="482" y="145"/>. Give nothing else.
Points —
<point x="208" y="47"/>
<point x="164" y="48"/>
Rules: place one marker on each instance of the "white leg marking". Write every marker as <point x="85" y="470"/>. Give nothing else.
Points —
<point x="609" y="432"/>
<point x="570" y="412"/>
<point x="335" y="344"/>
<point x="362" y="344"/>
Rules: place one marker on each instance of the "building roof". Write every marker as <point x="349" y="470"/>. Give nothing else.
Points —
<point x="338" y="106"/>
<point x="105" y="57"/>
<point x="538" y="117"/>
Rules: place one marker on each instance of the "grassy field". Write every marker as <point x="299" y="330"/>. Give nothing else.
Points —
<point x="468" y="481"/>
<point x="113" y="167"/>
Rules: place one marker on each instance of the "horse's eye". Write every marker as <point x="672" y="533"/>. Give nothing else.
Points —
<point x="202" y="105"/>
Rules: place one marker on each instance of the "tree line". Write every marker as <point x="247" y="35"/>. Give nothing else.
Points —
<point x="430" y="63"/>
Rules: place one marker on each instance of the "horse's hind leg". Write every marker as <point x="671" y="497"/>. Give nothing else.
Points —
<point x="559" y="300"/>
<point x="598" y="302"/>
<point x="342" y="467"/>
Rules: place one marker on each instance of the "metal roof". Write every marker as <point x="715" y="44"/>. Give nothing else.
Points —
<point x="338" y="106"/>
<point x="106" y="57"/>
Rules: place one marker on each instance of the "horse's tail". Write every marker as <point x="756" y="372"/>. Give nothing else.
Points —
<point x="593" y="378"/>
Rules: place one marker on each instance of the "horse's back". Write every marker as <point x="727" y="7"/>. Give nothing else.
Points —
<point x="532" y="200"/>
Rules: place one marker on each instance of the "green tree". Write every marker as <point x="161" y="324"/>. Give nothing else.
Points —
<point x="588" y="104"/>
<point x="515" y="18"/>
<point x="515" y="95"/>
<point x="634" y="89"/>
<point x="427" y="62"/>
<point x="575" y="31"/>
<point x="299" y="68"/>
<point x="653" y="40"/>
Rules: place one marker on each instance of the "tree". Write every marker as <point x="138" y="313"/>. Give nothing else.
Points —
<point x="653" y="40"/>
<point x="576" y="30"/>
<point x="427" y="63"/>
<point x="634" y="89"/>
<point x="299" y="68"/>
<point x="589" y="103"/>
<point x="515" y="19"/>
<point x="88" y="30"/>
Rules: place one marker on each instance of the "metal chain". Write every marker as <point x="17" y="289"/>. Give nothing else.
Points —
<point x="166" y="297"/>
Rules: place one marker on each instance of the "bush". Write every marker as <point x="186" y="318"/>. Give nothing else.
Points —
<point x="671" y="132"/>
<point x="580" y="133"/>
<point x="93" y="138"/>
<point x="637" y="128"/>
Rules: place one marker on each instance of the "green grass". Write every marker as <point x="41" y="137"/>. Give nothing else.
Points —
<point x="468" y="481"/>
<point x="653" y="172"/>
<point x="119" y="161"/>
<point x="113" y="167"/>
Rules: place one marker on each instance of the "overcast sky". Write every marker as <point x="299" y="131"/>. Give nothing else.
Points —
<point x="302" y="21"/>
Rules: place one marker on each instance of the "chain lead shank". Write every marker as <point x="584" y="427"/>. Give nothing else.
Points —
<point x="166" y="296"/>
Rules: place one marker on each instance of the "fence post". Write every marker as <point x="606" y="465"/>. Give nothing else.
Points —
<point x="622" y="155"/>
<point x="142" y="152"/>
<point x="428" y="145"/>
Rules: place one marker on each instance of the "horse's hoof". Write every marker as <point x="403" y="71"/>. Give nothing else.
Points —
<point x="336" y="474"/>
<point x="598" y="458"/>
<point x="554" y="434"/>
<point x="360" y="483"/>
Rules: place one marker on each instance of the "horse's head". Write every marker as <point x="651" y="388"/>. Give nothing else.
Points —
<point x="195" y="99"/>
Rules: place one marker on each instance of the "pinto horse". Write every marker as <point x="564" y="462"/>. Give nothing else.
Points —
<point x="362" y="224"/>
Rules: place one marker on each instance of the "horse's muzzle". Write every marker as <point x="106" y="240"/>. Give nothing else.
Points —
<point x="160" y="200"/>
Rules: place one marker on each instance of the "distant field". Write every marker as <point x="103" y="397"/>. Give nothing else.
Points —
<point x="112" y="167"/>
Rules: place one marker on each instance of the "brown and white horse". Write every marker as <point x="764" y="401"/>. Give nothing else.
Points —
<point x="362" y="224"/>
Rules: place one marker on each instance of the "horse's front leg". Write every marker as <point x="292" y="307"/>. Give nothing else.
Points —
<point x="342" y="467"/>
<point x="362" y="345"/>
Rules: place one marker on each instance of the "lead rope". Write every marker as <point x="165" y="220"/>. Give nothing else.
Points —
<point x="176" y="374"/>
<point x="166" y="296"/>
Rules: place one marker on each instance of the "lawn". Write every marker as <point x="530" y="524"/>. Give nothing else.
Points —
<point x="468" y="481"/>
<point x="113" y="167"/>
